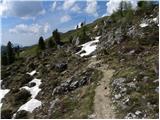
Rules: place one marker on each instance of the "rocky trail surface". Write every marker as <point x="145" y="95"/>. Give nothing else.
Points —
<point x="103" y="107"/>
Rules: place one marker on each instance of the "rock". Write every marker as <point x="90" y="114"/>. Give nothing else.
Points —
<point x="52" y="105"/>
<point x="74" y="85"/>
<point x="145" y="79"/>
<point x="77" y="49"/>
<point x="92" y="116"/>
<point x="117" y="96"/>
<point x="131" y="52"/>
<point x="118" y="81"/>
<point x="76" y="41"/>
<point x="130" y="116"/>
<point x="32" y="84"/>
<point x="125" y="101"/>
<point x="138" y="112"/>
<point x="83" y="81"/>
<point x="61" y="67"/>
<point x="69" y="81"/>
<point x="131" y="85"/>
<point x="156" y="81"/>
<point x="157" y="89"/>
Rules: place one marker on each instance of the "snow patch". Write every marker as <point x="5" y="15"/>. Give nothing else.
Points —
<point x="35" y="89"/>
<point x="3" y="92"/>
<point x="31" y="73"/>
<point x="88" y="47"/>
<point x="30" y="105"/>
<point x="143" y="25"/>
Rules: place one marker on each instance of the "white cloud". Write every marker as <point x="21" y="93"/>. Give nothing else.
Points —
<point x="92" y="7"/>
<point x="68" y="4"/>
<point x="22" y="9"/>
<point x="3" y="7"/>
<point x="54" y="5"/>
<point x="65" y="18"/>
<point x="46" y="28"/>
<point x="30" y="29"/>
<point x="113" y="5"/>
<point x="75" y="8"/>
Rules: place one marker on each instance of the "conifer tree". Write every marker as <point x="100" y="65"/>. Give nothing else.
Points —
<point x="50" y="43"/>
<point x="41" y="43"/>
<point x="10" y="53"/>
<point x="56" y="37"/>
<point x="4" y="59"/>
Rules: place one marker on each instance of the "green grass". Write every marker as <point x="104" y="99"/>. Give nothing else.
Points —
<point x="31" y="51"/>
<point x="79" y="103"/>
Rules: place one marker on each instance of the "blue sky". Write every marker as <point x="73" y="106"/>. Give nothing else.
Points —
<point x="23" y="22"/>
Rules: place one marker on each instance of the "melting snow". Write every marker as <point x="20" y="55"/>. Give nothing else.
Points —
<point x="89" y="47"/>
<point x="30" y="105"/>
<point x="3" y="92"/>
<point x="32" y="73"/>
<point x="35" y="89"/>
<point x="143" y="25"/>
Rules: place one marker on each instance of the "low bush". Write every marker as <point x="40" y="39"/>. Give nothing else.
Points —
<point x="6" y="114"/>
<point x="22" y="115"/>
<point x="22" y="96"/>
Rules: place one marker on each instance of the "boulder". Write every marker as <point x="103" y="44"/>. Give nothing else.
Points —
<point x="32" y="84"/>
<point x="74" y="85"/>
<point x="60" y="67"/>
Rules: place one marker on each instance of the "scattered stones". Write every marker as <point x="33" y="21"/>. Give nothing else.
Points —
<point x="117" y="96"/>
<point x="130" y="116"/>
<point x="92" y="116"/>
<point x="118" y="81"/>
<point x="131" y="85"/>
<point x="138" y="112"/>
<point x="73" y="83"/>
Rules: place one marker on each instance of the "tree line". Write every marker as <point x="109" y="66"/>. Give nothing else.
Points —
<point x="10" y="54"/>
<point x="52" y="41"/>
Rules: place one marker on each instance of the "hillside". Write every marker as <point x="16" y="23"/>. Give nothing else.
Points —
<point x="114" y="75"/>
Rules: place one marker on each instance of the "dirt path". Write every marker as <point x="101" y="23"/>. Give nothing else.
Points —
<point x="102" y="103"/>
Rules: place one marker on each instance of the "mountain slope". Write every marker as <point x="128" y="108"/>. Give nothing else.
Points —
<point x="120" y="73"/>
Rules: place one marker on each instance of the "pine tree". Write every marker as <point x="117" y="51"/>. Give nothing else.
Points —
<point x="83" y="36"/>
<point x="77" y="27"/>
<point x="4" y="59"/>
<point x="50" y="43"/>
<point x="56" y="37"/>
<point x="10" y="53"/>
<point x="41" y="44"/>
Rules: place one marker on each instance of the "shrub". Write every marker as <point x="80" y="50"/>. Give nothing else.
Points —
<point x="50" y="43"/>
<point x="25" y="79"/>
<point x="22" y="115"/>
<point x="22" y="96"/>
<point x="6" y="114"/>
<point x="83" y="37"/>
